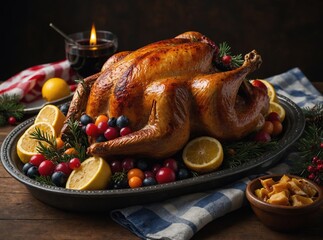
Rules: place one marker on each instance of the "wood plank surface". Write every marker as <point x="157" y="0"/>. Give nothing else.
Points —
<point x="24" y="217"/>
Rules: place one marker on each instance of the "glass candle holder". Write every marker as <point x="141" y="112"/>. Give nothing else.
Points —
<point x="87" y="59"/>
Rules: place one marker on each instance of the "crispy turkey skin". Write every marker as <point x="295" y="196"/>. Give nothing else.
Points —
<point x="171" y="91"/>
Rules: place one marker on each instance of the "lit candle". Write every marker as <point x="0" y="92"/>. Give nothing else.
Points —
<point x="91" y="51"/>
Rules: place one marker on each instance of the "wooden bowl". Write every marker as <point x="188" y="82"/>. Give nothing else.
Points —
<point x="283" y="218"/>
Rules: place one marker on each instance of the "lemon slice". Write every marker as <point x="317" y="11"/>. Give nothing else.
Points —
<point x="52" y="115"/>
<point x="270" y="91"/>
<point x="203" y="154"/>
<point x="276" y="107"/>
<point x="26" y="146"/>
<point x="93" y="174"/>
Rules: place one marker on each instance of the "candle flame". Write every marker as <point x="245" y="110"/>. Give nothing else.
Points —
<point x="93" y="35"/>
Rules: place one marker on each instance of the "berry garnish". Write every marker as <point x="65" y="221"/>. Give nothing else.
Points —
<point x="127" y="164"/>
<point x="102" y="126"/>
<point x="122" y="121"/>
<point x="149" y="181"/>
<point x="262" y="136"/>
<point x="111" y="133"/>
<point x="74" y="163"/>
<point x="64" y="108"/>
<point x="226" y="59"/>
<point x="46" y="168"/>
<point x="26" y="167"/>
<point x="273" y="116"/>
<point x="32" y="172"/>
<point x="171" y="163"/>
<point x="125" y="131"/>
<point x="112" y="122"/>
<point x="12" y="120"/>
<point x="63" y="167"/>
<point x="165" y="175"/>
<point x="92" y="130"/>
<point x="59" y="179"/>
<point x="115" y="166"/>
<point x="86" y="119"/>
<point x="37" y="159"/>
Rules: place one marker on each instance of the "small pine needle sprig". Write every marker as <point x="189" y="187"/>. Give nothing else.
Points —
<point x="224" y="50"/>
<point x="76" y="138"/>
<point x="310" y="147"/>
<point x="238" y="153"/>
<point x="47" y="146"/>
<point x="10" y="107"/>
<point x="225" y="60"/>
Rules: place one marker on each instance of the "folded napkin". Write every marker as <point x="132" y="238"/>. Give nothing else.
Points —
<point x="28" y="83"/>
<point x="180" y="218"/>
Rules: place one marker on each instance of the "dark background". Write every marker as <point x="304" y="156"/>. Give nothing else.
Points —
<point x="286" y="33"/>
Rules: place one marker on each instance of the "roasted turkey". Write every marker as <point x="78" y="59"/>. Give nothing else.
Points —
<point x="171" y="92"/>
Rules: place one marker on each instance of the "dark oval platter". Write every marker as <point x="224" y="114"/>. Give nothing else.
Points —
<point x="105" y="200"/>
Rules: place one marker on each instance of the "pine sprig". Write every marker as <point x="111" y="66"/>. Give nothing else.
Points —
<point x="47" y="145"/>
<point x="76" y="138"/>
<point x="10" y="107"/>
<point x="225" y="50"/>
<point x="309" y="147"/>
<point x="44" y="180"/>
<point x="238" y="153"/>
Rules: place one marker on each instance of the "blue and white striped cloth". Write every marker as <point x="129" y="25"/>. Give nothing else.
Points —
<point x="180" y="218"/>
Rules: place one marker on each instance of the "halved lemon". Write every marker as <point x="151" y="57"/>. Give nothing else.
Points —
<point x="26" y="146"/>
<point x="270" y="90"/>
<point x="52" y="115"/>
<point x="276" y="107"/>
<point x="93" y="174"/>
<point x="203" y="154"/>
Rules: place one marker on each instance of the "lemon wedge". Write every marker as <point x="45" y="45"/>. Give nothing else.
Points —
<point x="52" y="115"/>
<point x="93" y="174"/>
<point x="26" y="146"/>
<point x="203" y="154"/>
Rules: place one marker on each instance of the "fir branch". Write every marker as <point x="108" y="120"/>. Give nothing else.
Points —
<point x="238" y="153"/>
<point x="236" y="60"/>
<point x="47" y="145"/>
<point x="45" y="180"/>
<point x="76" y="138"/>
<point x="309" y="146"/>
<point x="224" y="49"/>
<point x="10" y="107"/>
<point x="225" y="61"/>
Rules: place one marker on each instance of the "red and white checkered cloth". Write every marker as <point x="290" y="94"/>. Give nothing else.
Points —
<point x="27" y="84"/>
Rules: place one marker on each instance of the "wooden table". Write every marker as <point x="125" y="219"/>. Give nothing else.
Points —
<point x="24" y="217"/>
